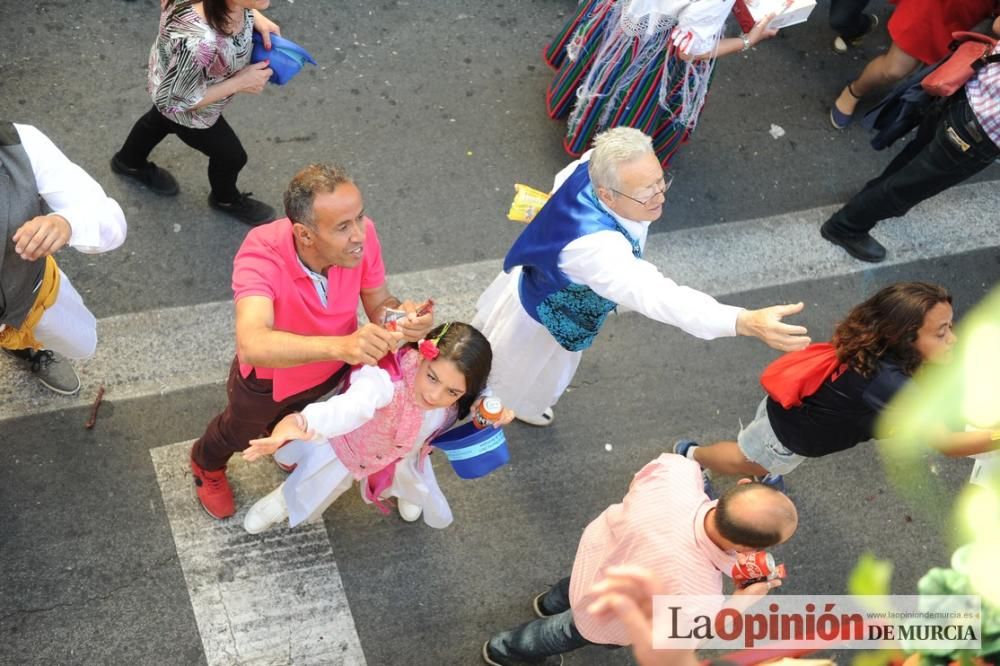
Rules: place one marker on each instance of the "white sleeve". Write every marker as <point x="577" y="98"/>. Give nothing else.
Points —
<point x="370" y="389"/>
<point x="604" y="262"/>
<point x="700" y="24"/>
<point x="96" y="220"/>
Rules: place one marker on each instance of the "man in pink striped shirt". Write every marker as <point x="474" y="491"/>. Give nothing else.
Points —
<point x="666" y="524"/>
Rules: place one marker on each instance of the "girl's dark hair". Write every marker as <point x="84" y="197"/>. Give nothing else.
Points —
<point x="471" y="353"/>
<point x="216" y="12"/>
<point x="887" y="325"/>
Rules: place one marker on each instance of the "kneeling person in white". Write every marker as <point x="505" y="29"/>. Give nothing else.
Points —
<point x="579" y="259"/>
<point x="377" y="432"/>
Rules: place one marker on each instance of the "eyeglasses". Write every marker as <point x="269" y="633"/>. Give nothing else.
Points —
<point x="660" y="188"/>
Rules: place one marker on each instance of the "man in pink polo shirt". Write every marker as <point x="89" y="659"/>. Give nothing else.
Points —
<point x="297" y="283"/>
<point x="666" y="524"/>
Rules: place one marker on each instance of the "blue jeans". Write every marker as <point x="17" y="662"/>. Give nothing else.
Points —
<point x="533" y="641"/>
<point x="949" y="148"/>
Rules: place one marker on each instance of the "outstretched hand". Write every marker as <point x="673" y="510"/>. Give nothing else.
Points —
<point x="766" y="325"/>
<point x="293" y="426"/>
<point x="626" y="594"/>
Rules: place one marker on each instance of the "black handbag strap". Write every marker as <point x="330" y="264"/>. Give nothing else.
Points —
<point x="985" y="60"/>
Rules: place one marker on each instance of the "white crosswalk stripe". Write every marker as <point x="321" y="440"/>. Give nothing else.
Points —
<point x="272" y="598"/>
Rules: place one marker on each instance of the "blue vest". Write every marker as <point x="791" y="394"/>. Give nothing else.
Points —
<point x="571" y="312"/>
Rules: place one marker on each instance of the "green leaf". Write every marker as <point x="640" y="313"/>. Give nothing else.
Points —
<point x="871" y="576"/>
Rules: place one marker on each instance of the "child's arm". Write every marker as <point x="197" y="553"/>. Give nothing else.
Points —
<point x="291" y="427"/>
<point x="370" y="389"/>
<point x="958" y="444"/>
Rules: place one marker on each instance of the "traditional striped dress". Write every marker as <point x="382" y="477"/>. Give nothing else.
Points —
<point x="617" y="63"/>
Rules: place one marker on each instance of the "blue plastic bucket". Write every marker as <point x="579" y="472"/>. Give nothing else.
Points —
<point x="473" y="452"/>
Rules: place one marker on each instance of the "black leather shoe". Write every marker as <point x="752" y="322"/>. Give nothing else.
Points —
<point x="859" y="246"/>
<point x="245" y="209"/>
<point x="495" y="660"/>
<point x="153" y="177"/>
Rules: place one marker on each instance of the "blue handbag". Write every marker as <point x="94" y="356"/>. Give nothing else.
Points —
<point x="286" y="57"/>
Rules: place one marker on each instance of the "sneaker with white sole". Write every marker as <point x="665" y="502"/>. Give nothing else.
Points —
<point x="536" y="605"/>
<point x="266" y="512"/>
<point x="541" y="420"/>
<point x="408" y="511"/>
<point x="53" y="371"/>
<point x="841" y="45"/>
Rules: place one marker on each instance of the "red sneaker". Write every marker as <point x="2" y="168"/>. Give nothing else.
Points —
<point x="214" y="493"/>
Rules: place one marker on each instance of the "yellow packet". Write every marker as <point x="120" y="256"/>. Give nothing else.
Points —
<point x="526" y="204"/>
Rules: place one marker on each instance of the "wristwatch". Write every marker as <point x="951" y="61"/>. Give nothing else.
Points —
<point x="746" y="42"/>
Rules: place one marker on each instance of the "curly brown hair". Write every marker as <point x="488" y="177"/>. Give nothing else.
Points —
<point x="887" y="325"/>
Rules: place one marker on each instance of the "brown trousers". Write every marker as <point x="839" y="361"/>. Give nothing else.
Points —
<point x="251" y="413"/>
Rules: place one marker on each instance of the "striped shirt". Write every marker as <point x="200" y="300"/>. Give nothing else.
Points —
<point x="983" y="91"/>
<point x="187" y="57"/>
<point x="659" y="525"/>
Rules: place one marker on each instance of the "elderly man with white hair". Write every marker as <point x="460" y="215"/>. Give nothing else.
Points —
<point x="579" y="259"/>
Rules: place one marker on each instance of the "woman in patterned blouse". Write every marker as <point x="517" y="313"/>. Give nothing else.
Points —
<point x="199" y="62"/>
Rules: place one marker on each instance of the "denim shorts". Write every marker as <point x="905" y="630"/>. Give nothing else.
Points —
<point x="759" y="444"/>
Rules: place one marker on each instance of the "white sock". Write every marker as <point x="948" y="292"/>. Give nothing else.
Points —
<point x="689" y="454"/>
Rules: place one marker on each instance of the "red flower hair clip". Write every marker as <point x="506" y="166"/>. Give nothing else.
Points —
<point x="428" y="349"/>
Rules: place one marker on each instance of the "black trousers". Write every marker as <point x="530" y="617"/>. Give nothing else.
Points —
<point x="219" y="142"/>
<point x="949" y="147"/>
<point x="847" y="18"/>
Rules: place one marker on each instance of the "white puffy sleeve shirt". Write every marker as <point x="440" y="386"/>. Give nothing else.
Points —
<point x="604" y="262"/>
<point x="371" y="389"/>
<point x="96" y="220"/>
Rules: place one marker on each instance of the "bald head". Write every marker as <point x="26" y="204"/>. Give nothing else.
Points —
<point x="753" y="515"/>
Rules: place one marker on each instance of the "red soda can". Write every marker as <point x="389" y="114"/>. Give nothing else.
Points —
<point x="755" y="567"/>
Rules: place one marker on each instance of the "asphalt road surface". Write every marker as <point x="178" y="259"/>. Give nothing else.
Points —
<point x="437" y="109"/>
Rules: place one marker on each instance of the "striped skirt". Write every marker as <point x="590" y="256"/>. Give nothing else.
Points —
<point x="639" y="107"/>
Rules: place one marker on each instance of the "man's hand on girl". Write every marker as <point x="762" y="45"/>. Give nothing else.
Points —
<point x="414" y="327"/>
<point x="293" y="426"/>
<point x="368" y="344"/>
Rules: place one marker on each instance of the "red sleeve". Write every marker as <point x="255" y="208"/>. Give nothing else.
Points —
<point x="373" y="274"/>
<point x="255" y="270"/>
